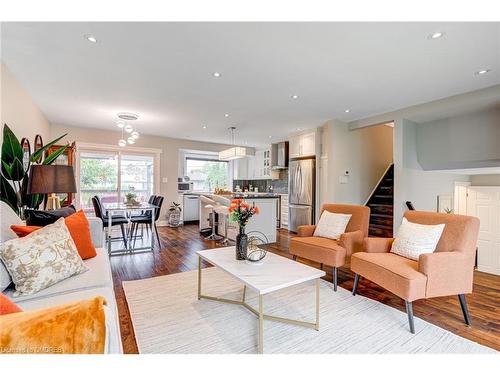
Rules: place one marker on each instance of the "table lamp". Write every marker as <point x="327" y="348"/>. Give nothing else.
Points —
<point x="51" y="179"/>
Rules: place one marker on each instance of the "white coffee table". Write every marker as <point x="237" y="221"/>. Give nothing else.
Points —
<point x="275" y="273"/>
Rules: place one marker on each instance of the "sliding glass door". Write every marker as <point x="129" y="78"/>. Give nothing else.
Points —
<point x="111" y="175"/>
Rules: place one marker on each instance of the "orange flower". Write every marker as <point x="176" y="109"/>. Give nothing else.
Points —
<point x="236" y="201"/>
<point x="244" y="205"/>
<point x="256" y="210"/>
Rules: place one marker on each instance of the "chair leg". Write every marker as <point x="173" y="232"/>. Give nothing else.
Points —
<point x="355" y="285"/>
<point x="157" y="237"/>
<point x="294" y="257"/>
<point x="335" y="279"/>
<point x="465" y="311"/>
<point x="409" y="311"/>
<point x="135" y="233"/>
<point x="123" y="235"/>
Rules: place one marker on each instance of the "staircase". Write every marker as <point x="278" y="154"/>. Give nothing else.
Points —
<point x="381" y="203"/>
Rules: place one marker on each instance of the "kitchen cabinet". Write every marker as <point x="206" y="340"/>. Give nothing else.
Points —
<point x="302" y="145"/>
<point x="284" y="211"/>
<point x="240" y="170"/>
<point x="262" y="164"/>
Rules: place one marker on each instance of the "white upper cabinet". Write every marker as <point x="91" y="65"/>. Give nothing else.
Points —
<point x="262" y="164"/>
<point x="240" y="169"/>
<point x="302" y="145"/>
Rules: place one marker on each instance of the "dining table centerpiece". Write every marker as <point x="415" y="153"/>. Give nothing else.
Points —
<point x="241" y="212"/>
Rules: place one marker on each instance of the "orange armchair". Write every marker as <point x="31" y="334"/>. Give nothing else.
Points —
<point x="332" y="252"/>
<point x="447" y="271"/>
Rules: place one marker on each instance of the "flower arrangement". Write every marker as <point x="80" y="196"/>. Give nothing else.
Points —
<point x="240" y="212"/>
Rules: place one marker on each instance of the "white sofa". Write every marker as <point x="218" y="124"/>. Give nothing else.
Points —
<point x="97" y="281"/>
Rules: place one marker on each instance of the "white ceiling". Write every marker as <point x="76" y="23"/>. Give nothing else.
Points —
<point x="163" y="72"/>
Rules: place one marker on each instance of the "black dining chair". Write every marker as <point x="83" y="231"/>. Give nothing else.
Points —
<point x="146" y="219"/>
<point x="115" y="219"/>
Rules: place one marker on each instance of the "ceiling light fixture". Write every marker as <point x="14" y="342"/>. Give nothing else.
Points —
<point x="130" y="140"/>
<point x="347" y="110"/>
<point x="120" y="124"/>
<point x="233" y="152"/>
<point x="91" y="38"/>
<point x="135" y="135"/>
<point x="129" y="116"/>
<point x="295" y="96"/>
<point x="436" y="35"/>
<point x="226" y="115"/>
<point x="122" y="143"/>
<point x="481" y="72"/>
<point x="216" y="74"/>
<point x="128" y="128"/>
<point x="204" y="126"/>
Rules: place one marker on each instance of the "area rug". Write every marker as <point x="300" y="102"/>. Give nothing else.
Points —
<point x="168" y="318"/>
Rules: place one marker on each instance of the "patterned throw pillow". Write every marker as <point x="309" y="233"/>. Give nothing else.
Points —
<point x="42" y="258"/>
<point x="331" y="225"/>
<point x="414" y="239"/>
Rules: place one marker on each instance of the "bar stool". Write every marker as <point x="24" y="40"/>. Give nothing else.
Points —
<point x="222" y="210"/>
<point x="211" y="205"/>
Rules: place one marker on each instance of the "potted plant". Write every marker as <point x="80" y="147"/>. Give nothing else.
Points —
<point x="241" y="212"/>
<point x="174" y="214"/>
<point x="130" y="198"/>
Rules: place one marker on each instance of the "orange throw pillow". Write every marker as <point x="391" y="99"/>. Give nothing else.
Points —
<point x="23" y="230"/>
<point x="7" y="306"/>
<point x="78" y="227"/>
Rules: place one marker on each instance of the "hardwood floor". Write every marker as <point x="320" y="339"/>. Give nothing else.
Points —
<point x="178" y="255"/>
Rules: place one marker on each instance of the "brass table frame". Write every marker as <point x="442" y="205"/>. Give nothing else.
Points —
<point x="259" y="313"/>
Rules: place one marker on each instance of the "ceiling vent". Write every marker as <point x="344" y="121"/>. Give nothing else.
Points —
<point x="128" y="116"/>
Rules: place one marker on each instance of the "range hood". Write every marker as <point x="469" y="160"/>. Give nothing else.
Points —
<point x="279" y="156"/>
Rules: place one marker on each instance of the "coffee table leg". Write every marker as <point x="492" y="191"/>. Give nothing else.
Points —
<point x="199" y="277"/>
<point x="261" y="326"/>
<point x="317" y="304"/>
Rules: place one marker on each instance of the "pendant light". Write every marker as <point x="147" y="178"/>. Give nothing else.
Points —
<point x="234" y="152"/>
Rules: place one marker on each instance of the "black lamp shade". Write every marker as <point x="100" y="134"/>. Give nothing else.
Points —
<point x="48" y="179"/>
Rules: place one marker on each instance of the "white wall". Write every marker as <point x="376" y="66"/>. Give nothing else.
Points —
<point x="169" y="163"/>
<point x="19" y="111"/>
<point x="412" y="182"/>
<point x="365" y="153"/>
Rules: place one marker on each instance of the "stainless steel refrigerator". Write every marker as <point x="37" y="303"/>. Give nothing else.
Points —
<point x="302" y="177"/>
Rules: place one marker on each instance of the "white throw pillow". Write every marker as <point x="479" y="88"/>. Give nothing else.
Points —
<point x="42" y="258"/>
<point x="414" y="239"/>
<point x="331" y="225"/>
<point x="7" y="218"/>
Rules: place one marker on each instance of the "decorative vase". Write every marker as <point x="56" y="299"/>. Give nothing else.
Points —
<point x="174" y="218"/>
<point x="241" y="244"/>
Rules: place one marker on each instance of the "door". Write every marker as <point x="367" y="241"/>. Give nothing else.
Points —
<point x="306" y="181"/>
<point x="484" y="203"/>
<point x="299" y="215"/>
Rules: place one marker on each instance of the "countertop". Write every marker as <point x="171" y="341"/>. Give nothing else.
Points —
<point x="241" y="195"/>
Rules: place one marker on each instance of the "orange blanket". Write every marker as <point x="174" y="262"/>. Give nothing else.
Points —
<point x="73" y="328"/>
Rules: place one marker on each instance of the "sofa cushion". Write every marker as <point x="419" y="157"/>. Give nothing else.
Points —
<point x="98" y="275"/>
<point x="395" y="273"/>
<point x="7" y="218"/>
<point x="42" y="218"/>
<point x="7" y="306"/>
<point x="318" y="249"/>
<point x="113" y="338"/>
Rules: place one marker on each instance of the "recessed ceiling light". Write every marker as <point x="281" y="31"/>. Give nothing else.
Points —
<point x="226" y="115"/>
<point x="204" y="126"/>
<point x="436" y="35"/>
<point x="128" y="116"/>
<point x="216" y="74"/>
<point x="120" y="124"/>
<point x="129" y="128"/>
<point x="481" y="72"/>
<point x="91" y="38"/>
<point x="270" y="136"/>
<point x="122" y="143"/>
<point x="299" y="129"/>
<point x="295" y="96"/>
<point x="347" y="110"/>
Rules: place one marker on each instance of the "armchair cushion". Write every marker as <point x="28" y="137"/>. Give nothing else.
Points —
<point x="331" y="225"/>
<point x="447" y="273"/>
<point x="318" y="249"/>
<point x="395" y="273"/>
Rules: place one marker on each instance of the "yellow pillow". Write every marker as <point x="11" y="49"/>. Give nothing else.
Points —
<point x="73" y="328"/>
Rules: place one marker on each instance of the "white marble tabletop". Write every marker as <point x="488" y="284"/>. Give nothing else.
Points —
<point x="274" y="273"/>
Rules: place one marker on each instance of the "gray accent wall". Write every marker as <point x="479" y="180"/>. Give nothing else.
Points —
<point x="466" y="141"/>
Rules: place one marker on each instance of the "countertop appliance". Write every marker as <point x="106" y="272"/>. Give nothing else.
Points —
<point x="302" y="177"/>
<point x="279" y="155"/>
<point x="184" y="187"/>
<point x="191" y="207"/>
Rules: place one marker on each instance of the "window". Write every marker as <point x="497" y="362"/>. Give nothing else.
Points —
<point x="207" y="174"/>
<point x="111" y="175"/>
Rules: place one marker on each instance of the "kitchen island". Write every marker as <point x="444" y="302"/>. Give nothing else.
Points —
<point x="264" y="222"/>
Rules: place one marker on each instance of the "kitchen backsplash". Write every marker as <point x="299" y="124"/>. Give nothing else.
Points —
<point x="275" y="186"/>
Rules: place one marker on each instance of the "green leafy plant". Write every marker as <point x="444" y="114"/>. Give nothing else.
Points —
<point x="175" y="207"/>
<point x="14" y="174"/>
